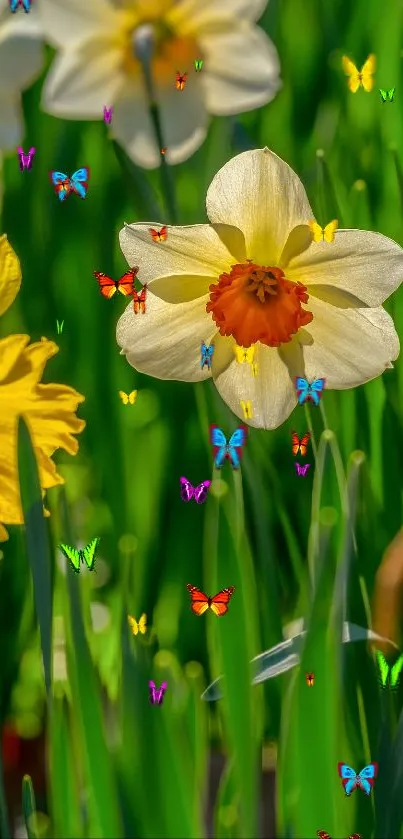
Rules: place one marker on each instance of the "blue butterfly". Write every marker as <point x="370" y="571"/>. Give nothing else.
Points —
<point x="26" y="5"/>
<point x="206" y="355"/>
<point x="64" y="185"/>
<point x="231" y="449"/>
<point x="350" y="779"/>
<point x="311" y="391"/>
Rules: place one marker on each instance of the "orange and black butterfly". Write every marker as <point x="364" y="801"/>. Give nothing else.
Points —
<point x="310" y="679"/>
<point x="180" y="80"/>
<point x="300" y="445"/>
<point x="109" y="287"/>
<point x="218" y="604"/>
<point x="159" y="235"/>
<point x="323" y="835"/>
<point x="139" y="300"/>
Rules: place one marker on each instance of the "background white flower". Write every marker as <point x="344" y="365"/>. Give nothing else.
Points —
<point x="21" y="59"/>
<point x="96" y="65"/>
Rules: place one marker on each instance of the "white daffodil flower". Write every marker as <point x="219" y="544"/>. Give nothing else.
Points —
<point x="99" y="44"/>
<point x="21" y="59"/>
<point x="253" y="276"/>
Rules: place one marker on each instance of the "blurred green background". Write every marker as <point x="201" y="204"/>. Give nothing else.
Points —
<point x="293" y="548"/>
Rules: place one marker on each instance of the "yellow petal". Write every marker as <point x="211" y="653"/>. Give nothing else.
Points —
<point x="10" y="274"/>
<point x="3" y="534"/>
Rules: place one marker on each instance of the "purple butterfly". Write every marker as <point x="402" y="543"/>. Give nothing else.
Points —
<point x="302" y="470"/>
<point x="157" y="694"/>
<point x="108" y="114"/>
<point x="26" y="159"/>
<point x="199" y="492"/>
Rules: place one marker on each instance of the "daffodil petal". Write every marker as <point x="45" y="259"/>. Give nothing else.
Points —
<point x="259" y="193"/>
<point x="10" y="122"/>
<point x="350" y="345"/>
<point x="242" y="70"/>
<point x="199" y="250"/>
<point x="69" y="21"/>
<point x="165" y="342"/>
<point x="272" y="392"/>
<point x="366" y="264"/>
<point x="3" y="534"/>
<point x="192" y="17"/>
<point x="10" y="274"/>
<point x="21" y="55"/>
<point x="79" y="84"/>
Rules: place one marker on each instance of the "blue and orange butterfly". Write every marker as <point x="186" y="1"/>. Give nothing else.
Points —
<point x="364" y="780"/>
<point x="64" y="185"/>
<point x="206" y="355"/>
<point x="231" y="449"/>
<point x="24" y="4"/>
<point x="306" y="390"/>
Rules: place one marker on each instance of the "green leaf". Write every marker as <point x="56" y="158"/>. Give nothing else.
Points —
<point x="29" y="807"/>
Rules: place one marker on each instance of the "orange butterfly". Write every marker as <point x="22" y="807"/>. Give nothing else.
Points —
<point x="163" y="151"/>
<point x="218" y="604"/>
<point x="180" y="80"/>
<point x="159" y="235"/>
<point x="310" y="679"/>
<point x="300" y="445"/>
<point x="139" y="300"/>
<point x="109" y="287"/>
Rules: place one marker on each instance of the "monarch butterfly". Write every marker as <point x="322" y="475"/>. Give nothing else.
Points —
<point x="323" y="233"/>
<point x="310" y="679"/>
<point x="139" y="300"/>
<point x="180" y="80"/>
<point x="140" y="626"/>
<point x="128" y="398"/>
<point x="218" y="604"/>
<point x="244" y="354"/>
<point x="109" y="287"/>
<point x="360" y="78"/>
<point x="247" y="408"/>
<point x="300" y="445"/>
<point x="159" y="235"/>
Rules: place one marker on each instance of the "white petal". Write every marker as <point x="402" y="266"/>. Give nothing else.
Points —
<point x="10" y="123"/>
<point x="165" y="341"/>
<point x="259" y="193"/>
<point x="79" y="84"/>
<point x="21" y="55"/>
<point x="191" y="17"/>
<point x="194" y="252"/>
<point x="350" y="345"/>
<point x="241" y="70"/>
<point x="132" y="126"/>
<point x="366" y="264"/>
<point x="272" y="392"/>
<point x="68" y="21"/>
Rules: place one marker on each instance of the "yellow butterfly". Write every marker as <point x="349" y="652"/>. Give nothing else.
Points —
<point x="128" y="397"/>
<point x="247" y="408"/>
<point x="141" y="626"/>
<point x="363" y="77"/>
<point x="255" y="369"/>
<point x="242" y="354"/>
<point x="325" y="233"/>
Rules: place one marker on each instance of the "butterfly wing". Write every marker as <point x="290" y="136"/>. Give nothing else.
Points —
<point x="107" y="286"/>
<point x="199" y="601"/>
<point x="315" y="390"/>
<point x="391" y="94"/>
<point x="142" y="624"/>
<point x="330" y="229"/>
<point x="72" y="554"/>
<point x="61" y="183"/>
<point x="159" y="693"/>
<point x="367" y="71"/>
<point x="384" y="94"/>
<point x="79" y="181"/>
<point x="204" y="359"/>
<point x="126" y="282"/>
<point x="250" y="354"/>
<point x="395" y="672"/>
<point x="133" y="624"/>
<point x="295" y="443"/>
<point x="187" y="489"/>
<point x="152" y="692"/>
<point x="367" y="776"/>
<point x="255" y="369"/>
<point x="299" y="469"/>
<point x="316" y="230"/>
<point x="304" y="444"/>
<point x="219" y="603"/>
<point x="200" y="492"/>
<point x="132" y="397"/>
<point x="89" y="553"/>
<point x="322" y="834"/>
<point x="219" y="443"/>
<point x="27" y="5"/>
<point x="351" y="71"/>
<point x="383" y="668"/>
<point x="302" y="388"/>
<point x="235" y="446"/>
<point x="124" y="397"/>
<point x="348" y="777"/>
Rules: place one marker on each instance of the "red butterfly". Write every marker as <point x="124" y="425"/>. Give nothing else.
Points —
<point x="109" y="287"/>
<point x="180" y="80"/>
<point x="139" y="300"/>
<point x="323" y="835"/>
<point x="310" y="679"/>
<point x="158" y="235"/>
<point x="218" y="604"/>
<point x="300" y="445"/>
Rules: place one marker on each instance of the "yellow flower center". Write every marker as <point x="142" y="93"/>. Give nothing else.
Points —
<point x="257" y="303"/>
<point x="169" y="53"/>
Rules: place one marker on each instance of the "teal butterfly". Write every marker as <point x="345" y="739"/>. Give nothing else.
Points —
<point x="387" y="673"/>
<point x="86" y="556"/>
<point x="387" y="95"/>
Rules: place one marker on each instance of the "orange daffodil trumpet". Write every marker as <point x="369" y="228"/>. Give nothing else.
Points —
<point x="254" y="277"/>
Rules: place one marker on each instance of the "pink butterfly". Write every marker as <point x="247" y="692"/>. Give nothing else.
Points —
<point x="199" y="492"/>
<point x="302" y="470"/>
<point x="157" y="694"/>
<point x="108" y="115"/>
<point x="26" y="159"/>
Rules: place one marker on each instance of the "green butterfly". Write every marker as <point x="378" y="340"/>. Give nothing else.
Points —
<point x="387" y="95"/>
<point x="387" y="673"/>
<point x="198" y="64"/>
<point x="87" y="555"/>
<point x="59" y="326"/>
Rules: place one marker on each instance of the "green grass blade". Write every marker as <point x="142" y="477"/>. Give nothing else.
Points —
<point x="29" y="807"/>
<point x="65" y="787"/>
